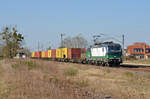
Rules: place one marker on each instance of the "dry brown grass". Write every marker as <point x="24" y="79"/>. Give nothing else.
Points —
<point x="138" y="61"/>
<point x="32" y="79"/>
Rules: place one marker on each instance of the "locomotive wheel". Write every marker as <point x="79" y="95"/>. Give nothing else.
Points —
<point x="117" y="64"/>
<point x="97" y="63"/>
<point x="109" y="64"/>
<point x="103" y="64"/>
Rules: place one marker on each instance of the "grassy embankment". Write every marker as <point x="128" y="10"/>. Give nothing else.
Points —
<point x="28" y="79"/>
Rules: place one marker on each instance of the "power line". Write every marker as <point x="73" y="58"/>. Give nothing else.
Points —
<point x="114" y="38"/>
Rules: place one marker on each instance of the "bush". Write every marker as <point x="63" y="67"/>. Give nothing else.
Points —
<point x="30" y="64"/>
<point x="148" y="76"/>
<point x="129" y="74"/>
<point x="15" y="66"/>
<point x="83" y="83"/>
<point x="71" y="71"/>
<point x="108" y="71"/>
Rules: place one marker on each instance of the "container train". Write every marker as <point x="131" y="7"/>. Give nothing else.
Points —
<point x="106" y="54"/>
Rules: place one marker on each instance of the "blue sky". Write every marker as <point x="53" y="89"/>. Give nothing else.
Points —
<point x="44" y="20"/>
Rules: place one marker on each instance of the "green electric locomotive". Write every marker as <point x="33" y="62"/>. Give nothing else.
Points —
<point x="107" y="53"/>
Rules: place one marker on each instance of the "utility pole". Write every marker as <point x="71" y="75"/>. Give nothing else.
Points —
<point x="123" y="44"/>
<point x="145" y="51"/>
<point x="38" y="46"/>
<point x="62" y="39"/>
<point x="49" y="47"/>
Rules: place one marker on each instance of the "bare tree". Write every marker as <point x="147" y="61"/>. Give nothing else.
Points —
<point x="75" y="42"/>
<point x="67" y="42"/>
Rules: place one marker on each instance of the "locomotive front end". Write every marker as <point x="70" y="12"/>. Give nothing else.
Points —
<point x="114" y="54"/>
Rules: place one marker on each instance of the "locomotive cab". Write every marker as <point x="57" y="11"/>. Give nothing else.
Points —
<point x="114" y="54"/>
<point x="105" y="54"/>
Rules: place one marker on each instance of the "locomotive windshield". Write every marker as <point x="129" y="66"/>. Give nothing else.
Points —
<point x="114" y="48"/>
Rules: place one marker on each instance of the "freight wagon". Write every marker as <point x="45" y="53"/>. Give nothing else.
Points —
<point x="38" y="54"/>
<point x="49" y="54"/>
<point x="44" y="54"/>
<point x="53" y="54"/>
<point x="33" y="55"/>
<point x="68" y="54"/>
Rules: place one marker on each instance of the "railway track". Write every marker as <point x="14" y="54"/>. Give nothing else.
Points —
<point x="130" y="67"/>
<point x="136" y="67"/>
